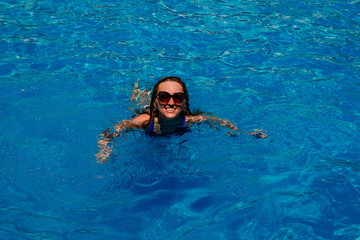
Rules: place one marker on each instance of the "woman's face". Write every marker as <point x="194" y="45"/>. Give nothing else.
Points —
<point x="169" y="109"/>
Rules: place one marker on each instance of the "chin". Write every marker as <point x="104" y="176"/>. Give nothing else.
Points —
<point x="170" y="116"/>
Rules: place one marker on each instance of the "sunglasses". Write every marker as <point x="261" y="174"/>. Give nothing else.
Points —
<point x="164" y="97"/>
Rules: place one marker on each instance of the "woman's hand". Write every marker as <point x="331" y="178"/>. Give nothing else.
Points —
<point x="258" y="134"/>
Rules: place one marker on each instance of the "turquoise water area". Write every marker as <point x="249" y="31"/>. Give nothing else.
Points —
<point x="67" y="70"/>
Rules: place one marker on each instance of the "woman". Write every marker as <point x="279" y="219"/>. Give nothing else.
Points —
<point x="169" y="113"/>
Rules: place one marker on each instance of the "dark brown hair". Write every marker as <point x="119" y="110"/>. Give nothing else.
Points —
<point x="154" y="112"/>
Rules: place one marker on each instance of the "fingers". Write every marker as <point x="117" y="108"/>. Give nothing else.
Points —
<point x="259" y="134"/>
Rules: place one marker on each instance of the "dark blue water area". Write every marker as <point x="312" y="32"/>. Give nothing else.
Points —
<point x="291" y="68"/>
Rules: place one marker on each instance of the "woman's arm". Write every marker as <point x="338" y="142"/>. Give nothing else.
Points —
<point x="213" y="121"/>
<point x="107" y="136"/>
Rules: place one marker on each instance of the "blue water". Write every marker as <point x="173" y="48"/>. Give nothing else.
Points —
<point x="67" y="69"/>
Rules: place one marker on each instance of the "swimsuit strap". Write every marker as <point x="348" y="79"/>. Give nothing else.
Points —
<point x="183" y="122"/>
<point x="152" y="125"/>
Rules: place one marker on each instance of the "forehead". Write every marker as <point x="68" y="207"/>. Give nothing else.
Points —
<point x="170" y="87"/>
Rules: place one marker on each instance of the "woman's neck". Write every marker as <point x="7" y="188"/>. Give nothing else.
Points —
<point x="169" y="124"/>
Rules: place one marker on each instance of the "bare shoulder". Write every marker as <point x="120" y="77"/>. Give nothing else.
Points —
<point x="140" y="120"/>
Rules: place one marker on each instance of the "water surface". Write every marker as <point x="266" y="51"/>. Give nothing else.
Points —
<point x="67" y="69"/>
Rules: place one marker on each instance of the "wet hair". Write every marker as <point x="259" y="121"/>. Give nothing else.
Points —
<point x="154" y="112"/>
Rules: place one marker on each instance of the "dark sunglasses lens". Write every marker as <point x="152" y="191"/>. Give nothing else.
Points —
<point x="178" y="97"/>
<point x="164" y="97"/>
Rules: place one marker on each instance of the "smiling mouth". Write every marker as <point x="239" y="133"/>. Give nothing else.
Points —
<point x="170" y="109"/>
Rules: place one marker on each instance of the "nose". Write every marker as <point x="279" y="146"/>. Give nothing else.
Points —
<point x="171" y="101"/>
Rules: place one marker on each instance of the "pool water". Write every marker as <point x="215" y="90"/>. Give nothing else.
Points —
<point x="67" y="70"/>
